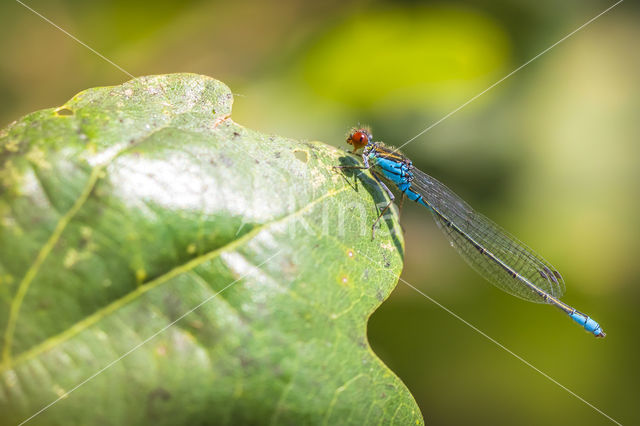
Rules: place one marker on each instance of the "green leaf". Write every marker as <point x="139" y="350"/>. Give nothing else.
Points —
<point x="128" y="207"/>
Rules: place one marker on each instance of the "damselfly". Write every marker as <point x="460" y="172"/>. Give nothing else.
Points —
<point x="491" y="251"/>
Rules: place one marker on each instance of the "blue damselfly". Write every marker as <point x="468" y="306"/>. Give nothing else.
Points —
<point x="491" y="251"/>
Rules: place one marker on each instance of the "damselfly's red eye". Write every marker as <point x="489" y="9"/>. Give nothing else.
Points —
<point x="359" y="138"/>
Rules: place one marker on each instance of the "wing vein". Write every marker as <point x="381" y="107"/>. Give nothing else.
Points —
<point x="495" y="254"/>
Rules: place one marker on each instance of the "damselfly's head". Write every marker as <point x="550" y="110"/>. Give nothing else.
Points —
<point x="359" y="138"/>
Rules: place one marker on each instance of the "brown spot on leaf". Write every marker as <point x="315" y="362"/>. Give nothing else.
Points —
<point x="64" y="112"/>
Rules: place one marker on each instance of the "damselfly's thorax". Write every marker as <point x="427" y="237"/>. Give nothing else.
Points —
<point x="379" y="150"/>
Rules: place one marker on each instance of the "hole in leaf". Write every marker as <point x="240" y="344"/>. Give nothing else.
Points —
<point x="64" y="111"/>
<point x="301" y="155"/>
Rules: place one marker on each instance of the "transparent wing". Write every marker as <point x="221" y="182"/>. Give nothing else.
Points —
<point x="470" y="233"/>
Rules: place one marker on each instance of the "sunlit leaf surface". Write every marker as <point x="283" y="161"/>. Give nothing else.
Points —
<point x="129" y="206"/>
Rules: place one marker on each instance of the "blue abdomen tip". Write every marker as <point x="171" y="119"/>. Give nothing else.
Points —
<point x="590" y="325"/>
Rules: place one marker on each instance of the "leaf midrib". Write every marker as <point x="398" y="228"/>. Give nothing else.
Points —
<point x="94" y="318"/>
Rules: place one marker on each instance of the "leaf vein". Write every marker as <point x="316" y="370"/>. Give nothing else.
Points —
<point x="81" y="325"/>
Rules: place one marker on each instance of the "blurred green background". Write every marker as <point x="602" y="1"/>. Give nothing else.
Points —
<point x="551" y="154"/>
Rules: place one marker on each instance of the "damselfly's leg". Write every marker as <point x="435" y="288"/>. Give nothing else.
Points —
<point x="365" y="161"/>
<point x="350" y="167"/>
<point x="400" y="205"/>
<point x="346" y="167"/>
<point x="391" y="196"/>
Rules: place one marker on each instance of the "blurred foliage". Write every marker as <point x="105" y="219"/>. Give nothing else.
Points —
<point x="549" y="153"/>
<point x="428" y="51"/>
